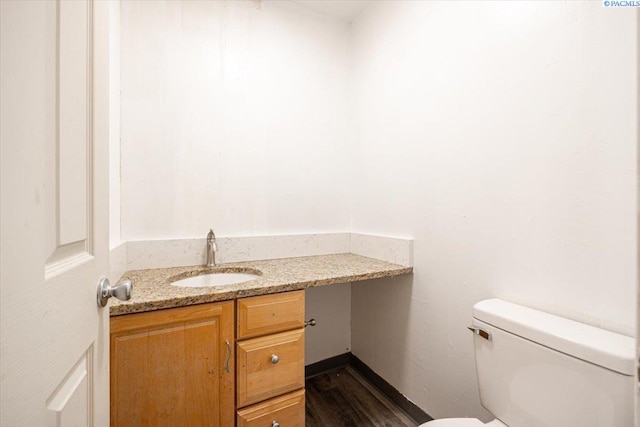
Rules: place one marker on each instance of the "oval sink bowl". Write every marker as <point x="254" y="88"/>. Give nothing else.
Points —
<point x="214" y="279"/>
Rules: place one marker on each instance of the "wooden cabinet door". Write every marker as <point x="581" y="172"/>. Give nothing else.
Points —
<point x="173" y="367"/>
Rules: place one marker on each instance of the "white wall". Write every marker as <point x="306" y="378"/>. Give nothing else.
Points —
<point x="502" y="137"/>
<point x="637" y="389"/>
<point x="114" y="124"/>
<point x="233" y="117"/>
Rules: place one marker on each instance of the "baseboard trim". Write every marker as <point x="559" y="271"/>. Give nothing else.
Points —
<point x="410" y="408"/>
<point x="327" y="365"/>
<point x="348" y="359"/>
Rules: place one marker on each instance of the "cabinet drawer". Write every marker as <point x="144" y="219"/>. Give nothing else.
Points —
<point x="287" y="410"/>
<point x="267" y="314"/>
<point x="270" y="366"/>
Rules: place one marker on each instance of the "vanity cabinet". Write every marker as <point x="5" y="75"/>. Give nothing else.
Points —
<point x="184" y="367"/>
<point x="173" y="367"/>
<point x="270" y="360"/>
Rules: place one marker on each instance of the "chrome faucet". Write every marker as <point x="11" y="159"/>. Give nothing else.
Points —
<point x="212" y="248"/>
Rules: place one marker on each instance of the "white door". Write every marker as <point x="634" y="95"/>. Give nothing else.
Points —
<point x="54" y="203"/>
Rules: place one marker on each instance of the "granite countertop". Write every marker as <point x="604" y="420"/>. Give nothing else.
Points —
<point x="152" y="289"/>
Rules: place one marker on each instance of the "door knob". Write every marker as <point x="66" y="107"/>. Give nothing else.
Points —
<point x="122" y="291"/>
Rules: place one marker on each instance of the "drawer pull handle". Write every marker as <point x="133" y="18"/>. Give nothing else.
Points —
<point x="275" y="424"/>
<point x="226" y="361"/>
<point x="275" y="359"/>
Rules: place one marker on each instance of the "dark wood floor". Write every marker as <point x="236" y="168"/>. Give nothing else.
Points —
<point x="343" y="398"/>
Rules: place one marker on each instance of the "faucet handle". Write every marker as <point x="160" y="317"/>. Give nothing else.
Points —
<point x="212" y="248"/>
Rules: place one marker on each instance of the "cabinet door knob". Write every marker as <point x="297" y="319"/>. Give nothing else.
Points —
<point x="275" y="424"/>
<point x="274" y="359"/>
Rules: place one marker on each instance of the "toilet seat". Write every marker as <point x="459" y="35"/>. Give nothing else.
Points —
<point x="462" y="422"/>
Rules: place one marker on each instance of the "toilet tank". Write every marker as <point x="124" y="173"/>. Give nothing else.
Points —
<point x="541" y="370"/>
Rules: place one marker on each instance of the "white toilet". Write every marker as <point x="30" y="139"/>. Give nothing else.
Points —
<point x="536" y="369"/>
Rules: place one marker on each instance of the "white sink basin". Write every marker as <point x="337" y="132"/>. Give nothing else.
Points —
<point x="214" y="279"/>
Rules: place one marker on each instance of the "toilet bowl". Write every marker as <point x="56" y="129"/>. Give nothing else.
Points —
<point x="538" y="369"/>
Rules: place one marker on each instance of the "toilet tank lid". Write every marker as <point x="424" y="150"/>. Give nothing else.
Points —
<point x="598" y="346"/>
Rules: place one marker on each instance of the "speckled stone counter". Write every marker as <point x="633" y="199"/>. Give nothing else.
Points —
<point x="152" y="289"/>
